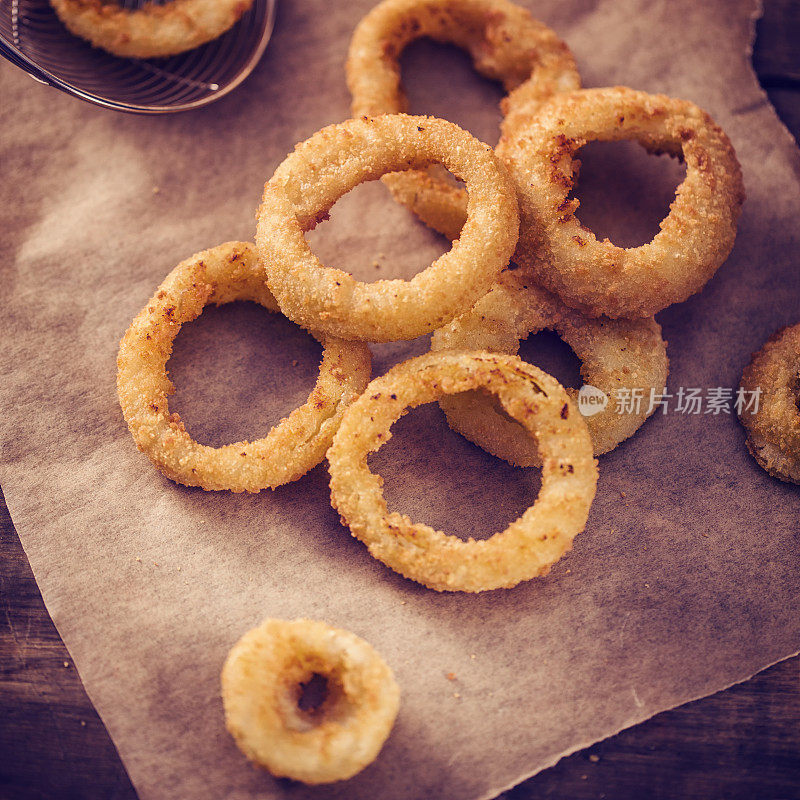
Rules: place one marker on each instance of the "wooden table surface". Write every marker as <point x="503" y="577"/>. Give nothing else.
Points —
<point x="741" y="743"/>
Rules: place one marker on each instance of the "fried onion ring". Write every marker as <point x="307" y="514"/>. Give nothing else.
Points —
<point x="298" y="443"/>
<point x="530" y="544"/>
<point x="615" y="355"/>
<point x="506" y="44"/>
<point x="773" y="431"/>
<point x="600" y="278"/>
<point x="262" y="683"/>
<point x="338" y="158"/>
<point x="152" y="31"/>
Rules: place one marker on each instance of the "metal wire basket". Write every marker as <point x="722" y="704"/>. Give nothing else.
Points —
<point x="34" y="39"/>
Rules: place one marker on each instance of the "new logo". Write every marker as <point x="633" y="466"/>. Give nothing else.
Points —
<point x="591" y="400"/>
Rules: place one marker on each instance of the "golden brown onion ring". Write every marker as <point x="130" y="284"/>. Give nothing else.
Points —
<point x="600" y="278"/>
<point x="530" y="544"/>
<point x="298" y="443"/>
<point x="617" y="356"/>
<point x="773" y="431"/>
<point x="506" y="44"/>
<point x="262" y="683"/>
<point x="335" y="160"/>
<point x="152" y="31"/>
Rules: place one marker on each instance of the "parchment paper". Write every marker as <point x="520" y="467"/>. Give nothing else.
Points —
<point x="685" y="580"/>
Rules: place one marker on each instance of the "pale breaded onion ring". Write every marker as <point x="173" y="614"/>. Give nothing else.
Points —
<point x="262" y="682"/>
<point x="506" y="44"/>
<point x="530" y="544"/>
<point x="600" y="278"/>
<point x="615" y="355"/>
<point x="152" y="31"/>
<point x="773" y="432"/>
<point x="335" y="160"/>
<point x="298" y="443"/>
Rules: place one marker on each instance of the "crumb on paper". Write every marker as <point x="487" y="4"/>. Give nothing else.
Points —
<point x="156" y="190"/>
<point x="456" y="695"/>
<point x="451" y="676"/>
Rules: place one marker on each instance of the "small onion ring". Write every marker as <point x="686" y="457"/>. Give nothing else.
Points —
<point x="506" y="44"/>
<point x="615" y="354"/>
<point x="298" y="443"/>
<point x="338" y="158"/>
<point x="152" y="31"/>
<point x="262" y="682"/>
<point x="600" y="278"/>
<point x="532" y="543"/>
<point x="773" y="432"/>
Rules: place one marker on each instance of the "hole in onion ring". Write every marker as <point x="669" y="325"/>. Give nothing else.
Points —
<point x="624" y="191"/>
<point x="443" y="97"/>
<point x="443" y="480"/>
<point x="313" y="694"/>
<point x="374" y="238"/>
<point x="548" y="351"/>
<point x="238" y="369"/>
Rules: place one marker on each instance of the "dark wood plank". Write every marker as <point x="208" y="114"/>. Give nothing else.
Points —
<point x="52" y="743"/>
<point x="741" y="743"/>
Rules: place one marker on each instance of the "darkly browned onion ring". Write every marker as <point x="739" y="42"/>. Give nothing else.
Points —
<point x="615" y="354"/>
<point x="773" y="432"/>
<point x="335" y="160"/>
<point x="530" y="544"/>
<point x="600" y="278"/>
<point x="506" y="44"/>
<point x="298" y="443"/>
<point x="153" y="30"/>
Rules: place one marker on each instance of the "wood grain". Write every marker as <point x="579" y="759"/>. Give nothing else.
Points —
<point x="739" y="744"/>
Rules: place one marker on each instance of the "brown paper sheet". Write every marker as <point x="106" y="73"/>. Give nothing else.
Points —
<point x="686" y="583"/>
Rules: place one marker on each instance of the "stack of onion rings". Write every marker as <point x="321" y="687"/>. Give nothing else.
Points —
<point x="296" y="445"/>
<point x="152" y="31"/>
<point x="506" y="44"/>
<point x="532" y="543"/>
<point x="617" y="357"/>
<point x="338" y="158"/>
<point x="600" y="278"/>
<point x="773" y="427"/>
<point x="262" y="682"/>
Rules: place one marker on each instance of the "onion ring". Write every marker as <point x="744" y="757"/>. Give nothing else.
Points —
<point x="773" y="431"/>
<point x="262" y="683"/>
<point x="152" y="31"/>
<point x="600" y="278"/>
<point x="532" y="543"/>
<point x="336" y="159"/>
<point x="615" y="354"/>
<point x="298" y="443"/>
<point x="506" y="44"/>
